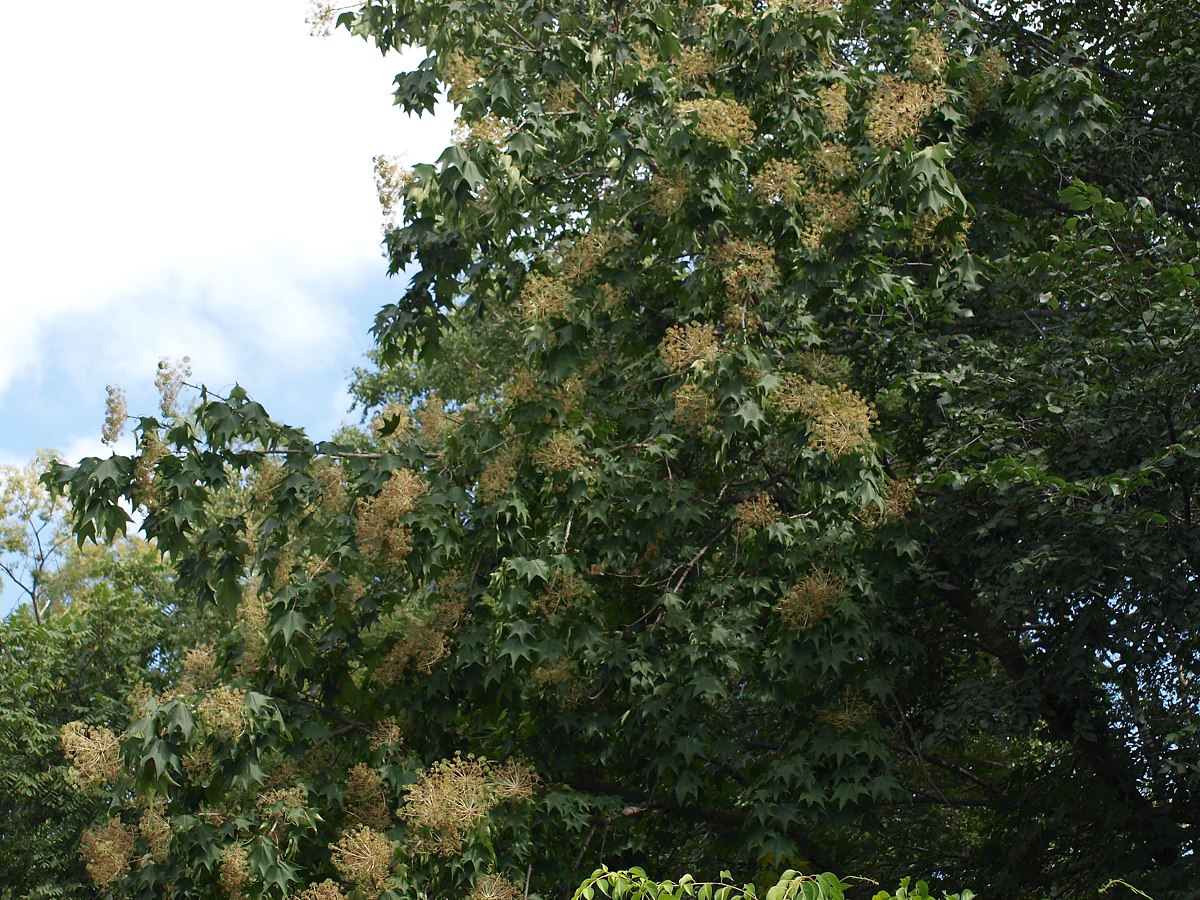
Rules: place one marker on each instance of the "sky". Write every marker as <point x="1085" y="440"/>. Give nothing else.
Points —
<point x="188" y="179"/>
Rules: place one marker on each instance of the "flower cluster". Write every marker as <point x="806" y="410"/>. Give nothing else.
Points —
<point x="363" y="857"/>
<point x="252" y="620"/>
<point x="543" y="298"/>
<point x="326" y="890"/>
<point x="377" y="525"/>
<point x="453" y="796"/>
<point x="748" y="270"/>
<point x="780" y="181"/>
<point x="562" y="680"/>
<point x="366" y="797"/>
<point x="157" y="831"/>
<point x="756" y="512"/>
<point x="562" y="451"/>
<point x="116" y="411"/>
<point x="850" y="713"/>
<point x="487" y="130"/>
<point x="169" y="381"/>
<point x="840" y="420"/>
<point x="928" y="57"/>
<point x="233" y="870"/>
<point x="827" y="212"/>
<point x="460" y="74"/>
<point x="386" y="734"/>
<point x="391" y="183"/>
<point x="494" y="887"/>
<point x="152" y="450"/>
<point x="223" y="712"/>
<point x="320" y="18"/>
<point x="719" y="121"/>
<point x="835" y="110"/>
<point x="106" y="851"/>
<point x="693" y="406"/>
<point x="810" y="600"/>
<point x="200" y="667"/>
<point x="498" y="474"/>
<point x="685" y="345"/>
<point x="898" y="107"/>
<point x="95" y="754"/>
<point x="562" y="593"/>
<point x="666" y="195"/>
<point x="421" y="648"/>
<point x="695" y="65"/>
<point x="582" y="259"/>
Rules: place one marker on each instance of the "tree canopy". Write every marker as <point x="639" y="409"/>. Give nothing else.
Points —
<point x="784" y="459"/>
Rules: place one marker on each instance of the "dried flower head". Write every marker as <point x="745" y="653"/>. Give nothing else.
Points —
<point x="756" y="512"/>
<point x="835" y="110"/>
<point x="724" y="122"/>
<point x="387" y="733"/>
<point x="460" y="74"/>
<point x="694" y="407"/>
<point x="200" y="666"/>
<point x="840" y="420"/>
<point x="152" y="450"/>
<point x="95" y="754"/>
<point x="741" y="317"/>
<point x="199" y="763"/>
<point x="810" y="600"/>
<point x="850" y="713"/>
<point x="583" y="258"/>
<point x="666" y="195"/>
<point x="394" y="419"/>
<point x="116" y="411"/>
<point x="498" y="474"/>
<point x="392" y="181"/>
<point x="827" y="213"/>
<point x="928" y="57"/>
<point x="543" y="298"/>
<point x="561" y="451"/>
<point x="899" y="498"/>
<point x="447" y="802"/>
<point x="366" y="797"/>
<point x="326" y="890"/>
<point x="898" y="107"/>
<point x="377" y="519"/>
<point x="562" y="682"/>
<point x="488" y="130"/>
<point x="833" y="163"/>
<point x="422" y="647"/>
<point x="233" y="870"/>
<point x="169" y="380"/>
<point x="320" y="18"/>
<point x="695" y="65"/>
<point x="106" y="850"/>
<point x="748" y="269"/>
<point x="363" y="857"/>
<point x="562" y="593"/>
<point x="252" y="619"/>
<point x="780" y="181"/>
<point x="685" y="345"/>
<point x="156" y="829"/>
<point x="223" y="712"/>
<point x="494" y="887"/>
<point x="990" y="73"/>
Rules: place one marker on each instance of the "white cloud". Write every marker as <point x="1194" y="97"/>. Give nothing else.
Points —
<point x="188" y="178"/>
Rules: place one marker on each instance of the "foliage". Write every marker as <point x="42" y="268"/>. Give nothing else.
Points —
<point x="113" y="633"/>
<point x="836" y="511"/>
<point x="792" y="885"/>
<point x="34" y="539"/>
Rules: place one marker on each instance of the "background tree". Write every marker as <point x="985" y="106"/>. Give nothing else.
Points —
<point x="830" y="515"/>
<point x="34" y="537"/>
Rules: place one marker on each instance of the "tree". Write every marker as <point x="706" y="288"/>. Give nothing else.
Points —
<point x="73" y="679"/>
<point x="34" y="539"/>
<point x="835" y="512"/>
